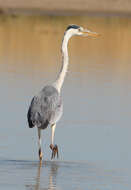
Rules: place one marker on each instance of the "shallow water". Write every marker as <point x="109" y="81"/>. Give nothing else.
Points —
<point x="30" y="175"/>
<point x="94" y="133"/>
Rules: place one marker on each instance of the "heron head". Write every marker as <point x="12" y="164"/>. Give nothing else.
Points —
<point x="80" y="31"/>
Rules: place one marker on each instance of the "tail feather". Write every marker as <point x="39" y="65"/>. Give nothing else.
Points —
<point x="36" y="120"/>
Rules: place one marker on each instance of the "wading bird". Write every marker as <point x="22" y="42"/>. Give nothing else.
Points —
<point x="46" y="108"/>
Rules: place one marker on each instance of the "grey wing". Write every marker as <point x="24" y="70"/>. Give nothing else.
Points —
<point x="33" y="115"/>
<point x="46" y="108"/>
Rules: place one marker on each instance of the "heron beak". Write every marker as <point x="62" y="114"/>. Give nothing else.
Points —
<point x="89" y="33"/>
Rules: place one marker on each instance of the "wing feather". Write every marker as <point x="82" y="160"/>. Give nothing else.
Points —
<point x="45" y="108"/>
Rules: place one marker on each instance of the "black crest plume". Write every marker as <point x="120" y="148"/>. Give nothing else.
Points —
<point x="72" y="26"/>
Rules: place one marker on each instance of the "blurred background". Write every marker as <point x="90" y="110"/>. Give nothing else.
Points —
<point x="96" y="124"/>
<point x="64" y="6"/>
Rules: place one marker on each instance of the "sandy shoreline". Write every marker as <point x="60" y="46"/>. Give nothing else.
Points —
<point x="62" y="12"/>
<point x="66" y="7"/>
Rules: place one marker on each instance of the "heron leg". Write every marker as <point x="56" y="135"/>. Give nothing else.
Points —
<point x="39" y="144"/>
<point x="53" y="147"/>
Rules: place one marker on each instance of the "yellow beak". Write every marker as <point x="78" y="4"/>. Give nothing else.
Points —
<point x="89" y="33"/>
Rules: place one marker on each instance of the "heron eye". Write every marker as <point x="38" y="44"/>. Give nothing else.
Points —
<point x="79" y="29"/>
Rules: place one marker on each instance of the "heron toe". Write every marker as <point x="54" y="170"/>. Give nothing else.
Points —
<point x="54" y="149"/>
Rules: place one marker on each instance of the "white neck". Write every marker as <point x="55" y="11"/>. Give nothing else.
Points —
<point x="65" y="61"/>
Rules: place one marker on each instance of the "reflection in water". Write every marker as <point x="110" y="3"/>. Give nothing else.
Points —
<point x="50" y="175"/>
<point x="39" y="185"/>
<point x="96" y="95"/>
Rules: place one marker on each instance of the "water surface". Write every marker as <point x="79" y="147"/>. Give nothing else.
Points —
<point x="94" y="133"/>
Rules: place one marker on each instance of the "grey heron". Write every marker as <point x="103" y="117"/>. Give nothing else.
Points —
<point x="46" y="108"/>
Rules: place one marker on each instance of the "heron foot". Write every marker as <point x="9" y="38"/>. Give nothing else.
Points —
<point x="40" y="155"/>
<point x="54" y="149"/>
